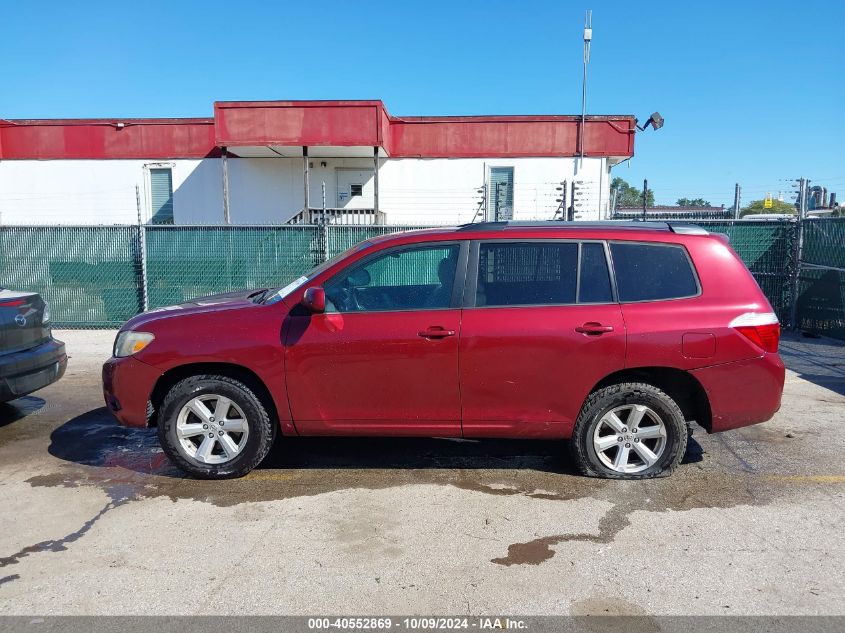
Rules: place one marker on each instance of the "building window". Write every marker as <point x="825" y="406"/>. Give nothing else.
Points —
<point x="161" y="195"/>
<point x="501" y="193"/>
<point x="356" y="190"/>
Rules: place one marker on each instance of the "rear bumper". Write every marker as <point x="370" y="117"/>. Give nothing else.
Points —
<point x="127" y="386"/>
<point x="743" y="392"/>
<point x="23" y="372"/>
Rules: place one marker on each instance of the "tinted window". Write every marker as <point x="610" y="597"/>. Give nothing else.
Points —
<point x="525" y="273"/>
<point x="646" y="272"/>
<point x="595" y="278"/>
<point x="419" y="278"/>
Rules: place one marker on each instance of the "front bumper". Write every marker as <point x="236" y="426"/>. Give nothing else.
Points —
<point x="26" y="371"/>
<point x="744" y="392"/>
<point x="127" y="386"/>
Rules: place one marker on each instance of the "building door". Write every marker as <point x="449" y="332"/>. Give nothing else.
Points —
<point x="501" y="193"/>
<point x="354" y="188"/>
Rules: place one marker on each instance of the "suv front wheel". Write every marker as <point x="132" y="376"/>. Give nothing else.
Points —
<point x="214" y="427"/>
<point x="629" y="431"/>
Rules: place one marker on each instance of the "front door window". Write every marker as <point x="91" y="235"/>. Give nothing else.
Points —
<point x="415" y="278"/>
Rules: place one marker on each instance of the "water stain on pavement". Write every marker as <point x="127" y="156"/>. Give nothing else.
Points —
<point x="99" y="452"/>
<point x="128" y="464"/>
<point x="57" y="545"/>
<point x="601" y="613"/>
<point x="11" y="578"/>
<point x="540" y="550"/>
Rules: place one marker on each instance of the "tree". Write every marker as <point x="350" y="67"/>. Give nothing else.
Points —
<point x="778" y="206"/>
<point x="628" y="196"/>
<point x="695" y="202"/>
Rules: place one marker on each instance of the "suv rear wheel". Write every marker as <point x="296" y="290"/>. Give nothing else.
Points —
<point x="214" y="427"/>
<point x="629" y="431"/>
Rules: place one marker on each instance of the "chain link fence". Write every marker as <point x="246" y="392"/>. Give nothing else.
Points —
<point x="652" y="214"/>
<point x="184" y="262"/>
<point x="820" y="294"/>
<point x="93" y="276"/>
<point x="768" y="248"/>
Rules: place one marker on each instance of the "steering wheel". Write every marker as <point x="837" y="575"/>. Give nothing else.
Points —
<point x="353" y="304"/>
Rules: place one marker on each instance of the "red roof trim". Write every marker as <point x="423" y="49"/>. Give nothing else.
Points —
<point x="112" y="121"/>
<point x="316" y="123"/>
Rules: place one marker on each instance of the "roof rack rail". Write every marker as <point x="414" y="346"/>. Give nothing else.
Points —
<point x="682" y="228"/>
<point x="687" y="229"/>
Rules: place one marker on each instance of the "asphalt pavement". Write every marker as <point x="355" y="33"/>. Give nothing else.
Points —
<point x="96" y="520"/>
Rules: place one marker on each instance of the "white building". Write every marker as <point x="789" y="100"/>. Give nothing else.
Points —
<point x="284" y="161"/>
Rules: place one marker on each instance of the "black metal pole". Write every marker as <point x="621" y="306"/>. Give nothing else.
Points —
<point x="645" y="197"/>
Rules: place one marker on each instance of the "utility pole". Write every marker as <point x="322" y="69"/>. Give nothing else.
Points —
<point x="645" y="197"/>
<point x="142" y="252"/>
<point x="798" y="253"/>
<point x="737" y="192"/>
<point x="804" y="187"/>
<point x="224" y="157"/>
<point x="613" y="194"/>
<point x="801" y="197"/>
<point x="588" y="37"/>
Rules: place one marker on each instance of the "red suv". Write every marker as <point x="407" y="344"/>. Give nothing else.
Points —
<point x="612" y="335"/>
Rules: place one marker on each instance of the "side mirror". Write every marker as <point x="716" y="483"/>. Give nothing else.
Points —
<point x="314" y="299"/>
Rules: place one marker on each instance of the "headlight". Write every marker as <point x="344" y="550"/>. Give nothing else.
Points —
<point x="128" y="343"/>
<point x="45" y="314"/>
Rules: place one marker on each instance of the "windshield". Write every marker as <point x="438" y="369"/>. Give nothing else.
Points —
<point x="275" y="295"/>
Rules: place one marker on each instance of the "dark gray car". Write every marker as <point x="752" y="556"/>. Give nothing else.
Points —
<point x="30" y="358"/>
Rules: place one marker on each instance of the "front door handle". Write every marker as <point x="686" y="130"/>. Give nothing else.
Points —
<point x="436" y="332"/>
<point x="593" y="329"/>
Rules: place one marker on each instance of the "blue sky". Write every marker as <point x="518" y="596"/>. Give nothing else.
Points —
<point x="752" y="92"/>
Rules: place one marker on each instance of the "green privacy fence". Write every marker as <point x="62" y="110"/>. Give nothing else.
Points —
<point x="820" y="296"/>
<point x="768" y="248"/>
<point x="93" y="276"/>
<point x="187" y="262"/>
<point x="90" y="275"/>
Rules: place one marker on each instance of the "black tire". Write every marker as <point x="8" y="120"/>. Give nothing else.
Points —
<point x="258" y="441"/>
<point x="603" y="400"/>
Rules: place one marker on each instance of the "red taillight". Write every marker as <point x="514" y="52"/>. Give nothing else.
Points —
<point x="766" y="337"/>
<point x="761" y="328"/>
<point x="12" y="303"/>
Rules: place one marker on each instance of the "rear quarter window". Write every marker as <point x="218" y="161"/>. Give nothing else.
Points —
<point x="652" y="272"/>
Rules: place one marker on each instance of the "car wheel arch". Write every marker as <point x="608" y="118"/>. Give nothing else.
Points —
<point x="680" y="385"/>
<point x="174" y="375"/>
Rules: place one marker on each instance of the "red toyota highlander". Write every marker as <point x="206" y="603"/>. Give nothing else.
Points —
<point x="615" y="336"/>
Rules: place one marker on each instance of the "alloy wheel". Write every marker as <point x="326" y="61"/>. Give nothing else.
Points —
<point x="630" y="438"/>
<point x="211" y="429"/>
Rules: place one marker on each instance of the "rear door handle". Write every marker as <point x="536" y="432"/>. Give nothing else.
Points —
<point x="592" y="328"/>
<point x="436" y="332"/>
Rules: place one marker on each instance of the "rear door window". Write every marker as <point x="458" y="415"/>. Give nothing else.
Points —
<point x="652" y="272"/>
<point x="527" y="273"/>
